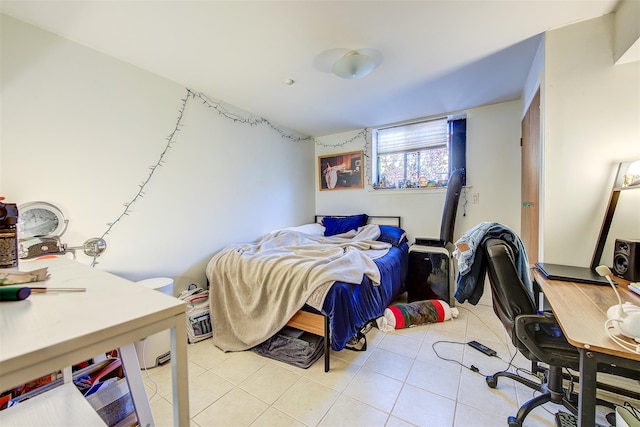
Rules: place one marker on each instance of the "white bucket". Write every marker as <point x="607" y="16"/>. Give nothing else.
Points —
<point x="160" y="284"/>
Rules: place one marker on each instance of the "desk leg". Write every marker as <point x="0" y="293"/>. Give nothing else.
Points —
<point x="587" y="395"/>
<point x="67" y="374"/>
<point x="179" y="372"/>
<point x="136" y="385"/>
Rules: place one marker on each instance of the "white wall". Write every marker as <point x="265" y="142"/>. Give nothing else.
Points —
<point x="591" y="112"/>
<point x="80" y="129"/>
<point x="493" y="171"/>
<point x="626" y="39"/>
<point x="534" y="79"/>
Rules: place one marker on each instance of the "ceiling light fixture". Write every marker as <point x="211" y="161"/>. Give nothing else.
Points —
<point x="354" y="65"/>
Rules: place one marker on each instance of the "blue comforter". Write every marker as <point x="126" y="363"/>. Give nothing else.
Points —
<point x="350" y="306"/>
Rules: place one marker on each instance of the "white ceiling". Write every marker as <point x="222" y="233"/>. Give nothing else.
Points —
<point x="438" y="56"/>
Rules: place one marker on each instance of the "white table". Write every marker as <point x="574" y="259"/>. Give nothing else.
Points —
<point x="51" y="331"/>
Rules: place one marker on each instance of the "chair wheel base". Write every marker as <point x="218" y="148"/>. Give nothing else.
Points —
<point x="513" y="422"/>
<point x="492" y="381"/>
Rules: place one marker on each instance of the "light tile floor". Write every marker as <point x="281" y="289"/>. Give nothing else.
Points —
<point x="410" y="377"/>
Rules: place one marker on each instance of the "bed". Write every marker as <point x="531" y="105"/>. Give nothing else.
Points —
<point x="328" y="285"/>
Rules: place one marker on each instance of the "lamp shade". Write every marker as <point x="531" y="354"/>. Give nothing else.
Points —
<point x="354" y="65"/>
<point x="632" y="175"/>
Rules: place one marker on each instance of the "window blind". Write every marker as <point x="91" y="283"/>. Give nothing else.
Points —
<point x="412" y="137"/>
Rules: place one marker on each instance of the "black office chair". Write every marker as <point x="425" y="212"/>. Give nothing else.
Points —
<point x="537" y="336"/>
<point x="432" y="271"/>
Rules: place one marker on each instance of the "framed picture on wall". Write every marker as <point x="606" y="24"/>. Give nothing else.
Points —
<point x="341" y="171"/>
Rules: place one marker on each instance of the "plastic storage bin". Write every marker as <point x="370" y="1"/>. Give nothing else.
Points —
<point x="155" y="349"/>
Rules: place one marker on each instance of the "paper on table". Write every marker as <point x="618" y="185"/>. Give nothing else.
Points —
<point x="15" y="277"/>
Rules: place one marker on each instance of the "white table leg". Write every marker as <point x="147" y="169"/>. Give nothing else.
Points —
<point x="136" y="385"/>
<point x="67" y="375"/>
<point x="179" y="372"/>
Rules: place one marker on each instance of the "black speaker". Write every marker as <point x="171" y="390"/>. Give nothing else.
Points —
<point x="626" y="259"/>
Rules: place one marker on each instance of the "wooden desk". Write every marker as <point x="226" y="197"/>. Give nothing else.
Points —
<point x="581" y="311"/>
<point x="51" y="331"/>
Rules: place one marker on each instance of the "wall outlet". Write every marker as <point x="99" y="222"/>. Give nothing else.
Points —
<point x="475" y="198"/>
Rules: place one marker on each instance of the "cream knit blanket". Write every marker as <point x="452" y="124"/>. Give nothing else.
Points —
<point x="255" y="288"/>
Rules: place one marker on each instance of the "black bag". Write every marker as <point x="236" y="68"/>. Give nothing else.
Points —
<point x="292" y="346"/>
<point x="358" y="342"/>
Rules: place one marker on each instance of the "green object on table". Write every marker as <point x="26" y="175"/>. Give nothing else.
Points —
<point x="14" y="293"/>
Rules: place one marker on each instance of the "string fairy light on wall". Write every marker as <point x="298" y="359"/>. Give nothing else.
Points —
<point x="227" y="114"/>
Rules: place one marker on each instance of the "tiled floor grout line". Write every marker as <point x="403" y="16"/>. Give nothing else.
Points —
<point x="413" y="371"/>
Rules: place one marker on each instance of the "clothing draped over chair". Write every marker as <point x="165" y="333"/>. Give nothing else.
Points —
<point x="472" y="266"/>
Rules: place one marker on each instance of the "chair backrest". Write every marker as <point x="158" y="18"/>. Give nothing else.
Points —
<point x="454" y="188"/>
<point x="509" y="294"/>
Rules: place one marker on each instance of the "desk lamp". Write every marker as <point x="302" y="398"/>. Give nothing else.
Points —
<point x="627" y="178"/>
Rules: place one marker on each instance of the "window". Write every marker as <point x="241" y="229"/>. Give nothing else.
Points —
<point x="420" y="154"/>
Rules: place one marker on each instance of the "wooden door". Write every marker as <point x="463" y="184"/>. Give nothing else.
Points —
<point x="530" y="190"/>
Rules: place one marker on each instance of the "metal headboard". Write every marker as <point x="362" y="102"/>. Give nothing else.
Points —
<point x="373" y="219"/>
